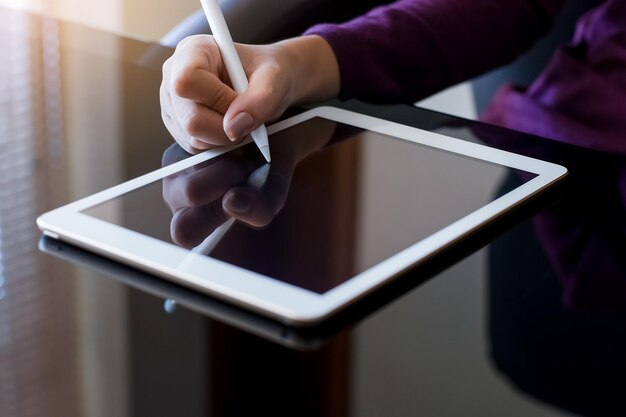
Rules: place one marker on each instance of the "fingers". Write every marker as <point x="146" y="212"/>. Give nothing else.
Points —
<point x="200" y="86"/>
<point x="173" y="154"/>
<point x="257" y="207"/>
<point x="200" y="186"/>
<point x="201" y="110"/>
<point x="172" y="125"/>
<point x="190" y="226"/>
<point x="195" y="198"/>
<point x="201" y="125"/>
<point x="264" y="100"/>
<point x="194" y="95"/>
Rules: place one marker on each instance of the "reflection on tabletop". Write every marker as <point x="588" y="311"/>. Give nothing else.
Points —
<point x="584" y="235"/>
<point x="557" y="286"/>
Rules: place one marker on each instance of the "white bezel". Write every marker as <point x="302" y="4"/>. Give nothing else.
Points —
<point x="267" y="295"/>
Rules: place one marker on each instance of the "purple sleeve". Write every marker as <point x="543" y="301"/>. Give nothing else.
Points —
<point x="412" y="48"/>
<point x="585" y="241"/>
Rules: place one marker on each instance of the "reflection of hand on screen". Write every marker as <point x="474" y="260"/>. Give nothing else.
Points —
<point x="257" y="180"/>
<point x="205" y="197"/>
<point x="195" y="199"/>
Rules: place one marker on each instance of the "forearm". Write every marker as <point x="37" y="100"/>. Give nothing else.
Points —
<point x="412" y="48"/>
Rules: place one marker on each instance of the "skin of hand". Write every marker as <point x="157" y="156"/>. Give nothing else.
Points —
<point x="203" y="197"/>
<point x="201" y="110"/>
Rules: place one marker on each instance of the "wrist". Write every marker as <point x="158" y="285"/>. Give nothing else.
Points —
<point x="312" y="68"/>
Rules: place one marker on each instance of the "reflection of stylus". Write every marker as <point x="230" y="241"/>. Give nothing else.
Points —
<point x="233" y="65"/>
<point x="214" y="238"/>
<point x="257" y="179"/>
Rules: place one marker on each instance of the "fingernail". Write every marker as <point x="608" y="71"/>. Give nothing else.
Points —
<point x="239" y="126"/>
<point x="238" y="203"/>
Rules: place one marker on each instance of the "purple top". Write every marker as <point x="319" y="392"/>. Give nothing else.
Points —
<point x="580" y="97"/>
<point x="412" y="48"/>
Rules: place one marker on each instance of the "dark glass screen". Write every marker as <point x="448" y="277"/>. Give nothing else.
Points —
<point x="336" y="201"/>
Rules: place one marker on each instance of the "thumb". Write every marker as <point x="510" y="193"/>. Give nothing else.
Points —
<point x="255" y="106"/>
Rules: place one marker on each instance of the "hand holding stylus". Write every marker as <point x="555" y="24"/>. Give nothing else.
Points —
<point x="201" y="108"/>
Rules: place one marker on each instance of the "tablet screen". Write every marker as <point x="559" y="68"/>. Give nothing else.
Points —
<point x="335" y="201"/>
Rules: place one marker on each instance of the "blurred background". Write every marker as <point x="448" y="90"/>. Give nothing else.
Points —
<point x="146" y="19"/>
<point x="150" y="20"/>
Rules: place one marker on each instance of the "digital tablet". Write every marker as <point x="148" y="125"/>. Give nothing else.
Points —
<point x="349" y="203"/>
<point x="175" y="297"/>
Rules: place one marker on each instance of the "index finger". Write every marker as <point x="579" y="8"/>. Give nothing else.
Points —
<point x="197" y="74"/>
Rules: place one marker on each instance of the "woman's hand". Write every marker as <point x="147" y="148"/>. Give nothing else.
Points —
<point x="201" y="110"/>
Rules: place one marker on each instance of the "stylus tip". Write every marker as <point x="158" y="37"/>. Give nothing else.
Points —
<point x="265" y="150"/>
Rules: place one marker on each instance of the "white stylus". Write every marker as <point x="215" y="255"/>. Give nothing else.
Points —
<point x="233" y="65"/>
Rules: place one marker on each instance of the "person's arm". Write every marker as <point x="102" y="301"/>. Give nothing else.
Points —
<point x="412" y="48"/>
<point x="400" y="52"/>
